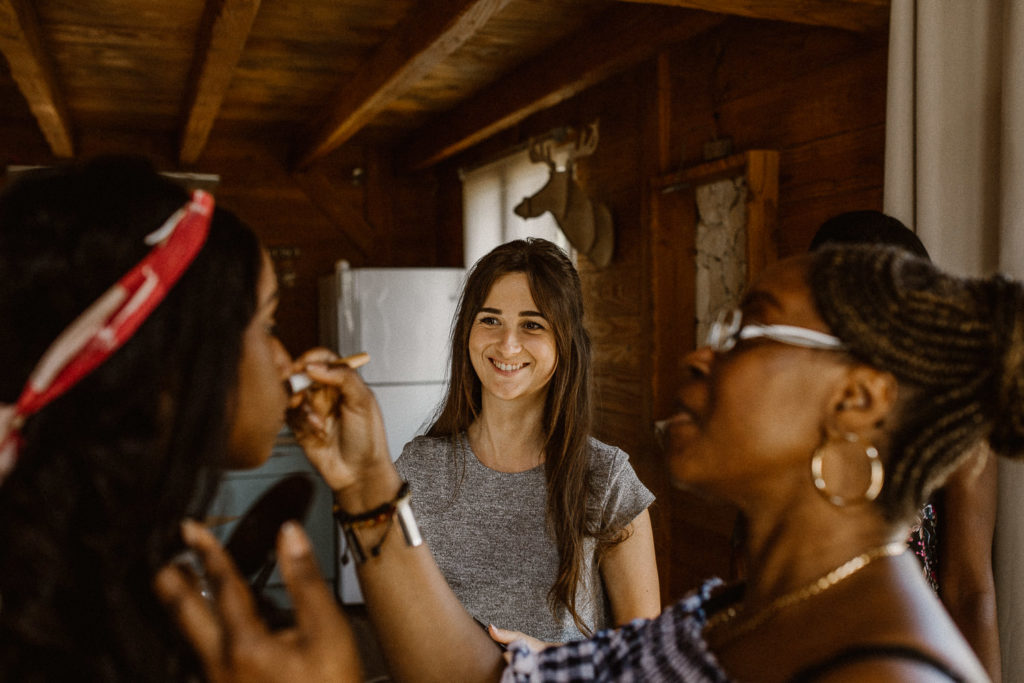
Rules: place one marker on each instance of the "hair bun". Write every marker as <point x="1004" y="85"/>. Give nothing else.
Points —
<point x="1008" y="325"/>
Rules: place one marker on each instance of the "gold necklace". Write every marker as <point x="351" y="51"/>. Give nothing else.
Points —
<point x="816" y="587"/>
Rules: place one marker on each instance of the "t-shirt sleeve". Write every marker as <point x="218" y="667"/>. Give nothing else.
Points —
<point x="423" y="465"/>
<point x="623" y="494"/>
<point x="404" y="462"/>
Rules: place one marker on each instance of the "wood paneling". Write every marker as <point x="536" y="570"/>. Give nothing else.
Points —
<point x="424" y="39"/>
<point x="615" y="41"/>
<point x="857" y="15"/>
<point x="124" y="65"/>
<point x="321" y="212"/>
<point x="32" y="68"/>
<point x="223" y="34"/>
<point x="325" y="219"/>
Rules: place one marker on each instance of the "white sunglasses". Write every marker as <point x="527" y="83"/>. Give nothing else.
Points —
<point x="728" y="328"/>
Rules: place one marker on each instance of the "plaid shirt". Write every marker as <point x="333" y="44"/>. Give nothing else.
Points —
<point x="668" y="648"/>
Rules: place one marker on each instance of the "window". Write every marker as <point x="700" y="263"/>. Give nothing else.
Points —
<point x="489" y="195"/>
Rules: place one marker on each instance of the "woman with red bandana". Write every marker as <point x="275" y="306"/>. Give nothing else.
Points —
<point x="139" y="360"/>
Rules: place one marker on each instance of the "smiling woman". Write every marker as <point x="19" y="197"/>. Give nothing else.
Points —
<point x="511" y="446"/>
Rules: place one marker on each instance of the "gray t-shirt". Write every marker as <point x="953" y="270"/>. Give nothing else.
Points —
<point x="491" y="541"/>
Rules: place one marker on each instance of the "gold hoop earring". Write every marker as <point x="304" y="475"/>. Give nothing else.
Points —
<point x="874" y="486"/>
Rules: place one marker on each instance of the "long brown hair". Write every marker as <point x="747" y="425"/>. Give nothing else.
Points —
<point x="555" y="286"/>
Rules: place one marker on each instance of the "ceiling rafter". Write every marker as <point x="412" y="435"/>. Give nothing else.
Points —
<point x="34" y="73"/>
<point x="222" y="37"/>
<point x="433" y="30"/>
<point x="855" y="15"/>
<point x="617" y="40"/>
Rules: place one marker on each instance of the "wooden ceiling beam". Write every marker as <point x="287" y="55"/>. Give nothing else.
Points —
<point x="431" y="32"/>
<point x="620" y="38"/>
<point x="34" y="73"/>
<point x="222" y="36"/>
<point x="855" y="15"/>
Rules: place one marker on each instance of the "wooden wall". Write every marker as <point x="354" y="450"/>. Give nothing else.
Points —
<point x="816" y="95"/>
<point x="387" y="220"/>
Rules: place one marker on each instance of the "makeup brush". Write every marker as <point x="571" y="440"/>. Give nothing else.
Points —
<point x="300" y="381"/>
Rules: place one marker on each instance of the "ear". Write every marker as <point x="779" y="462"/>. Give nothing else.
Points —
<point x="863" y="399"/>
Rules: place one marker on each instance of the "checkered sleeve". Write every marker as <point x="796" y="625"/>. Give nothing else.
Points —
<point x="669" y="648"/>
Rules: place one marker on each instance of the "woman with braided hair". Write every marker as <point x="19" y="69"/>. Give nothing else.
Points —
<point x="845" y="388"/>
<point x="952" y="537"/>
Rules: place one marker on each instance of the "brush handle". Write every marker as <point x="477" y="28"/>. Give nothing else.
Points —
<point x="356" y="360"/>
<point x="300" y="381"/>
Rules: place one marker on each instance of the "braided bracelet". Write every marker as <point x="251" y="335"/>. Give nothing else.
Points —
<point x="382" y="514"/>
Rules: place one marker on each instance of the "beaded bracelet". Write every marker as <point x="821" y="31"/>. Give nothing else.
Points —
<point x="384" y="513"/>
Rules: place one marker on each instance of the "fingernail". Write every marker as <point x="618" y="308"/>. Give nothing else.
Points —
<point x="167" y="583"/>
<point x="295" y="542"/>
<point x="190" y="531"/>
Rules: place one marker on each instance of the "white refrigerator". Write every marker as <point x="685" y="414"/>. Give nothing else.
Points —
<point x="402" y="317"/>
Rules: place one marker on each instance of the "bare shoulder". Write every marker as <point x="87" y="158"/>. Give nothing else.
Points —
<point x="902" y="670"/>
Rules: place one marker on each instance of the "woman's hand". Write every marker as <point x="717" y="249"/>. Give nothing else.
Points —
<point x="232" y="642"/>
<point x="338" y="423"/>
<point x="507" y="637"/>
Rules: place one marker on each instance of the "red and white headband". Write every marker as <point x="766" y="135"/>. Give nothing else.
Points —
<point x="109" y="321"/>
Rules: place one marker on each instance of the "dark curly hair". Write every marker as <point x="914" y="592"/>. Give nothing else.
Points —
<point x="956" y="347"/>
<point x="108" y="470"/>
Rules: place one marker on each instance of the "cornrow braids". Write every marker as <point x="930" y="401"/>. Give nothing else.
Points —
<point x="955" y="345"/>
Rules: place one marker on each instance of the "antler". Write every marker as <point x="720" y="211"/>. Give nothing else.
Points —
<point x="540" y="151"/>
<point x="586" y="142"/>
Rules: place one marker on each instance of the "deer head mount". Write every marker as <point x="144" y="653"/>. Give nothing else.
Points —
<point x="587" y="224"/>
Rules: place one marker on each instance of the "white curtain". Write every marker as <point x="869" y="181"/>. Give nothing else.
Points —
<point x="489" y="195"/>
<point x="954" y="170"/>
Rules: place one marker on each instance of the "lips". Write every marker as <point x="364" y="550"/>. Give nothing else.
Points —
<point x="683" y="416"/>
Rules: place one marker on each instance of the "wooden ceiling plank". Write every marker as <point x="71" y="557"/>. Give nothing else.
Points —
<point x="225" y="29"/>
<point x="34" y="73"/>
<point x="855" y="15"/>
<point x="427" y="36"/>
<point x="617" y="40"/>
